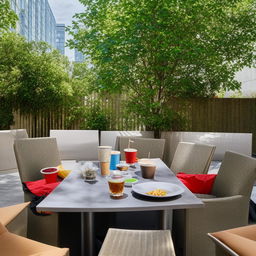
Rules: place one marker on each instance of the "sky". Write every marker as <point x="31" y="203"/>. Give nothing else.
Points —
<point x="63" y="11"/>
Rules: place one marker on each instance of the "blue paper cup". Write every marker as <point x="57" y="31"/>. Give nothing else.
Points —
<point x="114" y="160"/>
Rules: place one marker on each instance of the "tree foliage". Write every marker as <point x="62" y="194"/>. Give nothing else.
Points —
<point x="157" y="49"/>
<point x="33" y="77"/>
<point x="8" y="17"/>
<point x="83" y="108"/>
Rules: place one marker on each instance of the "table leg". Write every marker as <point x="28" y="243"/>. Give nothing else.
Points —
<point x="164" y="219"/>
<point x="87" y="234"/>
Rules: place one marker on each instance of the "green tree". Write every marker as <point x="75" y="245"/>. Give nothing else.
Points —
<point x="157" y="49"/>
<point x="84" y="108"/>
<point x="8" y="17"/>
<point x="33" y="76"/>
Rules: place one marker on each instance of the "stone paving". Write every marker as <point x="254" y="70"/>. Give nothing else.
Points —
<point x="10" y="189"/>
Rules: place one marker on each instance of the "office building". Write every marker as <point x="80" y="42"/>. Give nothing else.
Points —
<point x="60" y="38"/>
<point x="36" y="20"/>
<point x="79" y="57"/>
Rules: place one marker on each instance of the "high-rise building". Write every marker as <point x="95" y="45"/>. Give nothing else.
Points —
<point x="36" y="20"/>
<point x="79" y="57"/>
<point x="60" y="38"/>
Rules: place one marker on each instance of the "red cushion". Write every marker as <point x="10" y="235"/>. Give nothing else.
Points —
<point x="198" y="183"/>
<point x="40" y="187"/>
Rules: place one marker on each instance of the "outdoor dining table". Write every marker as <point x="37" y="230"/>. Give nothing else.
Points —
<point x="76" y="195"/>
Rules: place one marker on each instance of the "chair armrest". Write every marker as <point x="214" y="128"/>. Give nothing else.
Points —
<point x="229" y="211"/>
<point x="222" y="246"/>
<point x="7" y="214"/>
<point x="220" y="200"/>
<point x="236" y="207"/>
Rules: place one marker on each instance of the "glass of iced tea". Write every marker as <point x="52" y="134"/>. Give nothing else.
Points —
<point x="116" y="185"/>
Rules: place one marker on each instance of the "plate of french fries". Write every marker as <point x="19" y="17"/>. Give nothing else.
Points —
<point x="157" y="189"/>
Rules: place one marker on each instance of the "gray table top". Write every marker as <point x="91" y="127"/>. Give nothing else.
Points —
<point x="76" y="195"/>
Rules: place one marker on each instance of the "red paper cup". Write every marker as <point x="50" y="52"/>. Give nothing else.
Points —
<point x="130" y="155"/>
<point x="50" y="174"/>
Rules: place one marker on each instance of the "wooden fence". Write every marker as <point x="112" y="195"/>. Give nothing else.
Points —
<point x="211" y="115"/>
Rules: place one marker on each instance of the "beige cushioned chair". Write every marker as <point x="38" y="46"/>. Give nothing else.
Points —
<point x="15" y="218"/>
<point x="232" y="189"/>
<point x="14" y="245"/>
<point x="143" y="145"/>
<point x="192" y="158"/>
<point x="235" y="242"/>
<point x="121" y="242"/>
<point x="32" y="155"/>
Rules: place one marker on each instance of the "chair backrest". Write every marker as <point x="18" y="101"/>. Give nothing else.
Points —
<point x="236" y="176"/>
<point x="109" y="138"/>
<point x="192" y="158"/>
<point x="19" y="134"/>
<point x="7" y="157"/>
<point x="77" y="144"/>
<point x="33" y="154"/>
<point x="144" y="146"/>
<point x="237" y="142"/>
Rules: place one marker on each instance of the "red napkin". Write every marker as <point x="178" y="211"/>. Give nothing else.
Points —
<point x="198" y="183"/>
<point x="40" y="187"/>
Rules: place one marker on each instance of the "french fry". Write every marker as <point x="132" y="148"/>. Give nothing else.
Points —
<point x="157" y="192"/>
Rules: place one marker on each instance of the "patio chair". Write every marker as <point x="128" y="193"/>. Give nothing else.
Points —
<point x="228" y="207"/>
<point x="109" y="138"/>
<point x="14" y="245"/>
<point x="144" y="146"/>
<point x="14" y="218"/>
<point x="7" y="158"/>
<point x="77" y="144"/>
<point x="32" y="155"/>
<point x="235" y="242"/>
<point x="192" y="158"/>
<point x="122" y="242"/>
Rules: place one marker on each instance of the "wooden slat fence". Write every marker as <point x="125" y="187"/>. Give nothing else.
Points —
<point x="211" y="115"/>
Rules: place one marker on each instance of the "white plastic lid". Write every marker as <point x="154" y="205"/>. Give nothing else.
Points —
<point x="130" y="150"/>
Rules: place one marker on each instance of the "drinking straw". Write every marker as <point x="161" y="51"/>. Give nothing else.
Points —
<point x="129" y="142"/>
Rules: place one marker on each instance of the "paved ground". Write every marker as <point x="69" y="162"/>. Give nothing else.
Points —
<point x="10" y="189"/>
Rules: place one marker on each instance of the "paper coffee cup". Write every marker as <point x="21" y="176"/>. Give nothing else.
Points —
<point x="114" y="160"/>
<point x="104" y="153"/>
<point x="148" y="170"/>
<point x="104" y="168"/>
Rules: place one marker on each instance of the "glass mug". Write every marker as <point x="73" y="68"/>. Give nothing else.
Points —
<point x="116" y="185"/>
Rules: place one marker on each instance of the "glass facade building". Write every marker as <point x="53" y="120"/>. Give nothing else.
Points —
<point x="60" y="38"/>
<point x="79" y="57"/>
<point x="36" y="20"/>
